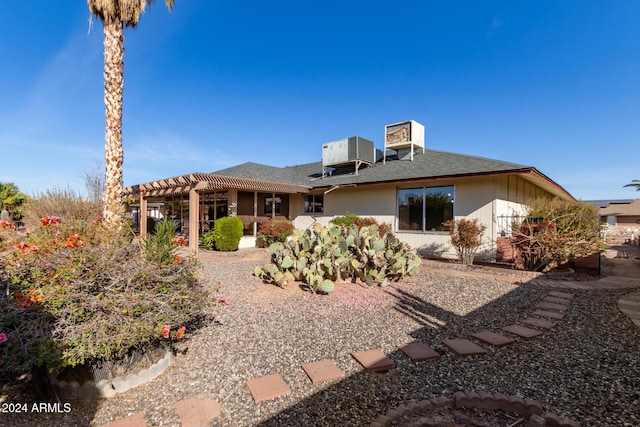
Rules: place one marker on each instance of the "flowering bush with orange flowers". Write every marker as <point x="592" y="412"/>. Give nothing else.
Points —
<point x="78" y="292"/>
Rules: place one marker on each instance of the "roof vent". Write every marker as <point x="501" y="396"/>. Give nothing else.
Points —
<point x="346" y="152"/>
<point x="404" y="138"/>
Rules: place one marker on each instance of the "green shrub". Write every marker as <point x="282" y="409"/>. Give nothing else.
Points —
<point x="466" y="237"/>
<point x="78" y="292"/>
<point x="227" y="233"/>
<point x="323" y="255"/>
<point x="207" y="240"/>
<point x="275" y="231"/>
<point x="346" y="220"/>
<point x="161" y="246"/>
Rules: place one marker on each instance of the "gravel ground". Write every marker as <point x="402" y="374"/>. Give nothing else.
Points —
<point x="587" y="368"/>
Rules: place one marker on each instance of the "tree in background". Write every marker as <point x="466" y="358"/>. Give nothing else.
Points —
<point x="115" y="16"/>
<point x="94" y="183"/>
<point x="11" y="199"/>
<point x="635" y="183"/>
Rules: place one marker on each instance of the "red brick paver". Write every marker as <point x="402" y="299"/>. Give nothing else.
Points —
<point x="492" y="338"/>
<point x="322" y="370"/>
<point x="549" y="314"/>
<point x="267" y="388"/>
<point x="374" y="360"/>
<point x="464" y="347"/>
<point x="419" y="351"/>
<point x="552" y="306"/>
<point x="198" y="411"/>
<point x="521" y="331"/>
<point x="540" y="323"/>
<point x="564" y="295"/>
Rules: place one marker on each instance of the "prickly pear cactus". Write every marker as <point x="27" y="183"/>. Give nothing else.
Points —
<point x="320" y="256"/>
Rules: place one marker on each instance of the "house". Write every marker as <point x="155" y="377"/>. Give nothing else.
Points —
<point x="413" y="188"/>
<point x="620" y="218"/>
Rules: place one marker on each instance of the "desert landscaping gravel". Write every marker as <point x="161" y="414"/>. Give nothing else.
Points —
<point x="587" y="368"/>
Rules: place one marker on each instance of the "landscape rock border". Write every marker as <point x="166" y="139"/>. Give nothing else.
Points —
<point x="105" y="388"/>
<point x="531" y="410"/>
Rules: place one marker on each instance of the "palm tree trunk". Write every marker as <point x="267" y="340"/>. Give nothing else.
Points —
<point x="113" y="86"/>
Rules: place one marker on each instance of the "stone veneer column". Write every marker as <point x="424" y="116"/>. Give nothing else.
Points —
<point x="232" y="202"/>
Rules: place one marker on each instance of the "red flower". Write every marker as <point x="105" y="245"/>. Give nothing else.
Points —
<point x="73" y="241"/>
<point x="223" y="301"/>
<point x="50" y="220"/>
<point x="166" y="329"/>
<point x="25" y="248"/>
<point x="180" y="241"/>
<point x="7" y="224"/>
<point x="26" y="301"/>
<point x="180" y="332"/>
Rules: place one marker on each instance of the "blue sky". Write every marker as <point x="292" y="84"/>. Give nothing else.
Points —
<point x="550" y="84"/>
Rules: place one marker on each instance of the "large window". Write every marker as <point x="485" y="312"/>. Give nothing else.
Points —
<point x="425" y="208"/>
<point x="314" y="203"/>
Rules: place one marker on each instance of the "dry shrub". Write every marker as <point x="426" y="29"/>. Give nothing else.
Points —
<point x="383" y="228"/>
<point x="466" y="237"/>
<point x="60" y="202"/>
<point x="79" y="292"/>
<point x="556" y="231"/>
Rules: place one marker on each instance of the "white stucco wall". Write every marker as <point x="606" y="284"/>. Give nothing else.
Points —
<point x="484" y="198"/>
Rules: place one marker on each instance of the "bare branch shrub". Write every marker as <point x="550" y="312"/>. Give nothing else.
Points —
<point x="556" y="231"/>
<point x="466" y="237"/>
<point x="79" y="292"/>
<point x="94" y="183"/>
<point x="61" y="202"/>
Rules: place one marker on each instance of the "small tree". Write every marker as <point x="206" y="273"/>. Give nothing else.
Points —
<point x="466" y="237"/>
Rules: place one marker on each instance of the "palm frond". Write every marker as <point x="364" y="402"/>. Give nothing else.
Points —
<point x="126" y="11"/>
<point x="634" y="183"/>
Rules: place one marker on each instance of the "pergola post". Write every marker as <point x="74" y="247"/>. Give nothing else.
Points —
<point x="143" y="216"/>
<point x="194" y="214"/>
<point x="273" y="206"/>
<point x="255" y="213"/>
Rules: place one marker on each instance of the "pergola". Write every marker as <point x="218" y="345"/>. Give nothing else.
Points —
<point x="197" y="183"/>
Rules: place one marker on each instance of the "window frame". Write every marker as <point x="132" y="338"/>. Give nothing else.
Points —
<point x="311" y="200"/>
<point x="423" y="190"/>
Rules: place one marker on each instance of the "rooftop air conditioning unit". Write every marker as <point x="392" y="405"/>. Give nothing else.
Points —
<point x="355" y="150"/>
<point x="404" y="137"/>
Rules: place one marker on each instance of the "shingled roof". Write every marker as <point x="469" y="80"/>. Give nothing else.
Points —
<point x="431" y="164"/>
<point x="621" y="208"/>
<point x="301" y="178"/>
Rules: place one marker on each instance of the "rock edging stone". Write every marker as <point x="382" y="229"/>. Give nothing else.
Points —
<point x="529" y="409"/>
<point x="105" y="388"/>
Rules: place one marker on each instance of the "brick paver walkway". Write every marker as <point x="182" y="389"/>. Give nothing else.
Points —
<point x="553" y="306"/>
